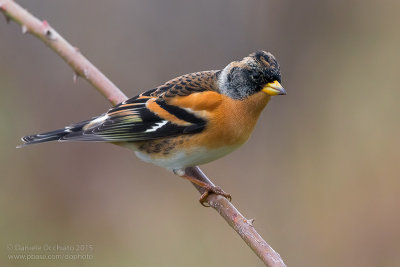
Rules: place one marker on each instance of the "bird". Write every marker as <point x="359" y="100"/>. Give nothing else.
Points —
<point x="188" y="121"/>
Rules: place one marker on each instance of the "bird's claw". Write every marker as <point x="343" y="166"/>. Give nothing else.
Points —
<point x="213" y="190"/>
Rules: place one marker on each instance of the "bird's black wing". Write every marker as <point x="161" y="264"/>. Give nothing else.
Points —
<point x="146" y="116"/>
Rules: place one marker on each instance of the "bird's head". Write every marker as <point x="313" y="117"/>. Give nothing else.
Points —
<point x="257" y="72"/>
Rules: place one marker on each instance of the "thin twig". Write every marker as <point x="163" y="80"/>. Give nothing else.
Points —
<point x="238" y="222"/>
<point x="82" y="67"/>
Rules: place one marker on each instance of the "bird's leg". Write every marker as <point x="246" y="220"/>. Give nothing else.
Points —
<point x="208" y="189"/>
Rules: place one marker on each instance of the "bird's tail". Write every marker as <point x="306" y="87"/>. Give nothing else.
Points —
<point x="56" y="135"/>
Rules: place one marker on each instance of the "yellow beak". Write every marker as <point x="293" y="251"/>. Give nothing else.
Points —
<point x="274" y="88"/>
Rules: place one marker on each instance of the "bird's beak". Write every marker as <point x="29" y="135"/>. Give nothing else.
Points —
<point x="274" y="88"/>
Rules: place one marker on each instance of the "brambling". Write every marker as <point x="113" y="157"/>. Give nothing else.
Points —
<point x="188" y="121"/>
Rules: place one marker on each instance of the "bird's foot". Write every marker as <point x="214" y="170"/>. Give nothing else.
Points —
<point x="212" y="190"/>
<point x="208" y="188"/>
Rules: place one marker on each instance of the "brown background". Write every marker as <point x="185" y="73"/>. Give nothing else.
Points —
<point x="320" y="174"/>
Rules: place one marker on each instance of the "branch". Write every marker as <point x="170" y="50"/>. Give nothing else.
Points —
<point x="71" y="54"/>
<point x="238" y="222"/>
<point x="82" y="67"/>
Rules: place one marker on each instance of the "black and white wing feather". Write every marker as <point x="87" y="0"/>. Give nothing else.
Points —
<point x="144" y="117"/>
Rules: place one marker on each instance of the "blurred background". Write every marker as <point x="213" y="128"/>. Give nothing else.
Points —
<point x="320" y="174"/>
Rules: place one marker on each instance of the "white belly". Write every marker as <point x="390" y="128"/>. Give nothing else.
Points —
<point x="185" y="159"/>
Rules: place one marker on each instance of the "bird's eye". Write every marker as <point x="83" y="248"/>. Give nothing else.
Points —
<point x="256" y="76"/>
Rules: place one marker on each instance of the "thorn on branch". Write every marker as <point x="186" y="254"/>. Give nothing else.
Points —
<point x="251" y="221"/>
<point x="86" y="73"/>
<point x="47" y="31"/>
<point x="45" y="24"/>
<point x="24" y="29"/>
<point x="75" y="77"/>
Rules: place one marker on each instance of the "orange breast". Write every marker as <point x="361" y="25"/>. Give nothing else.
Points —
<point x="230" y="122"/>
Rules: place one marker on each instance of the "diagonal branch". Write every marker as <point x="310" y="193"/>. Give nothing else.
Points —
<point x="70" y="54"/>
<point x="238" y="222"/>
<point x="82" y="67"/>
